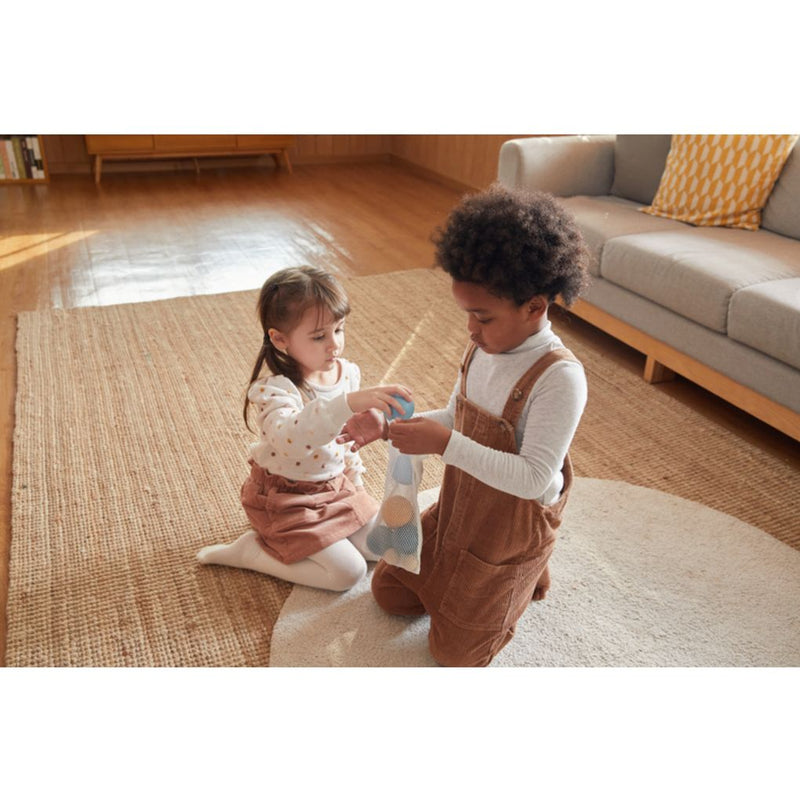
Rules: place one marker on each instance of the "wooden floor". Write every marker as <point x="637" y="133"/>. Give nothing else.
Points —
<point x="149" y="236"/>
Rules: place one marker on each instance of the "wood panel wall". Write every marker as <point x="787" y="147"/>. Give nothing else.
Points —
<point x="467" y="160"/>
<point x="317" y="148"/>
<point x="67" y="154"/>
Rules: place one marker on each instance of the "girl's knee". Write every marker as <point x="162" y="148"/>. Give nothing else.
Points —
<point x="349" y="575"/>
<point x="340" y="565"/>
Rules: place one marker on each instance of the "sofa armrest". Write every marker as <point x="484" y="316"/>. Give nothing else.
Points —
<point x="562" y="165"/>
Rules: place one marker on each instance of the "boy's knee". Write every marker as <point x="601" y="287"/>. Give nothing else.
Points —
<point x="457" y="647"/>
<point x="449" y="655"/>
<point x="392" y="596"/>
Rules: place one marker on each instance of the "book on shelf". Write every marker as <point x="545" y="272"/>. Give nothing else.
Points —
<point x="19" y="155"/>
<point x="10" y="158"/>
<point x="21" y="158"/>
<point x="26" y="156"/>
<point x="37" y="154"/>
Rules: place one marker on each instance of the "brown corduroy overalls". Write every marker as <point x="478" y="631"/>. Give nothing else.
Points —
<point x="484" y="551"/>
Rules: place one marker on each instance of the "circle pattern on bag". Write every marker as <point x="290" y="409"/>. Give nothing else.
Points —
<point x="406" y="538"/>
<point x="396" y="511"/>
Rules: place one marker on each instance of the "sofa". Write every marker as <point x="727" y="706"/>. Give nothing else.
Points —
<point x="718" y="305"/>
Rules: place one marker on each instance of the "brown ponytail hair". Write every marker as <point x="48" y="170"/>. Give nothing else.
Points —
<point x="284" y="298"/>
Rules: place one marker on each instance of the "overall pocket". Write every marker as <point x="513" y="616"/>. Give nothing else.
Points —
<point x="478" y="594"/>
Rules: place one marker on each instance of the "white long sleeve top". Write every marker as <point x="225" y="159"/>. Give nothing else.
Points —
<point x="545" y="427"/>
<point x="297" y="435"/>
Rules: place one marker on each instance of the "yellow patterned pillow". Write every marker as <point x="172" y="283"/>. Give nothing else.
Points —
<point x="722" y="180"/>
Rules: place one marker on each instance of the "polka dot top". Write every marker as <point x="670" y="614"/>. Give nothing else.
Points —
<point x="297" y="435"/>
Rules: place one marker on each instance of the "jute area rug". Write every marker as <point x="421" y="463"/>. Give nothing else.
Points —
<point x="129" y="452"/>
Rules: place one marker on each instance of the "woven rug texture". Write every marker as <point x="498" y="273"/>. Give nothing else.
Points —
<point x="129" y="451"/>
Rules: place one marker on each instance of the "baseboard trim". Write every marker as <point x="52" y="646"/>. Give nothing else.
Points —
<point x="437" y="177"/>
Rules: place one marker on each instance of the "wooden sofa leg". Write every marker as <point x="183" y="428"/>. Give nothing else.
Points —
<point x="654" y="372"/>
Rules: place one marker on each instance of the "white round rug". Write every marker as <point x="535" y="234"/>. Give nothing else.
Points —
<point x="640" y="578"/>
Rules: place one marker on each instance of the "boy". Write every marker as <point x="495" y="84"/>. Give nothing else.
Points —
<point x="505" y="434"/>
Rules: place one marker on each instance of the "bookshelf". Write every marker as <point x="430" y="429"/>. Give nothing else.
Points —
<point x="22" y="159"/>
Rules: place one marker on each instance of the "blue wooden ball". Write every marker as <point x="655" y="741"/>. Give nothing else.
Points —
<point x="405" y="539"/>
<point x="378" y="539"/>
<point x="408" y="409"/>
<point x="402" y="471"/>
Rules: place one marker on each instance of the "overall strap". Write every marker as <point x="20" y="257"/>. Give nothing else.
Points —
<point x="465" y="362"/>
<point x="519" y="394"/>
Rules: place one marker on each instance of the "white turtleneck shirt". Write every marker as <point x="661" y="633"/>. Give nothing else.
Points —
<point x="545" y="427"/>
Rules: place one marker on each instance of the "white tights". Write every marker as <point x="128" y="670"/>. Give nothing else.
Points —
<point x="338" y="567"/>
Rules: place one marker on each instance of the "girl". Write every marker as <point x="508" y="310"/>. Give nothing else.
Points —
<point x="505" y="435"/>
<point x="304" y="496"/>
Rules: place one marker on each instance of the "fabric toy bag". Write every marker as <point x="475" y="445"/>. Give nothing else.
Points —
<point x="397" y="534"/>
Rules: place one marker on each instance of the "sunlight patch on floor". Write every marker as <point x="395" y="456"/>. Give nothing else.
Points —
<point x="17" y="249"/>
<point x="407" y="348"/>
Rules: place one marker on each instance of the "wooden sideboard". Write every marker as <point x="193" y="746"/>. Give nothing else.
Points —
<point x="145" y="146"/>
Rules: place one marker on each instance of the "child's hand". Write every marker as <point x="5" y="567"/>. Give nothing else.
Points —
<point x="363" y="428"/>
<point x="379" y="397"/>
<point x="419" y="436"/>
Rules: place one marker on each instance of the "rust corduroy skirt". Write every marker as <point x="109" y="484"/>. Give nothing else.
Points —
<point x="295" y="519"/>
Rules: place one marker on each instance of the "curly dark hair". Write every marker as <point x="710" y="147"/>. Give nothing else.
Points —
<point x="516" y="244"/>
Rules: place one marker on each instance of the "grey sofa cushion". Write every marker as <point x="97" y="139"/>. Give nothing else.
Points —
<point x="767" y="317"/>
<point x="694" y="272"/>
<point x="782" y="211"/>
<point x="603" y="218"/>
<point x="772" y="378"/>
<point x="639" y="161"/>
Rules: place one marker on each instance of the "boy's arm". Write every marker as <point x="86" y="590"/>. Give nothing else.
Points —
<point x="552" y="419"/>
<point x="445" y="416"/>
<point x="428" y="432"/>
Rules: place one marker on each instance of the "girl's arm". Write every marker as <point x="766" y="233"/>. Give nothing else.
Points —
<point x="281" y="412"/>
<point x="353" y="465"/>
<point x="283" y="418"/>
<point x="354" y="468"/>
<point x="369" y="426"/>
